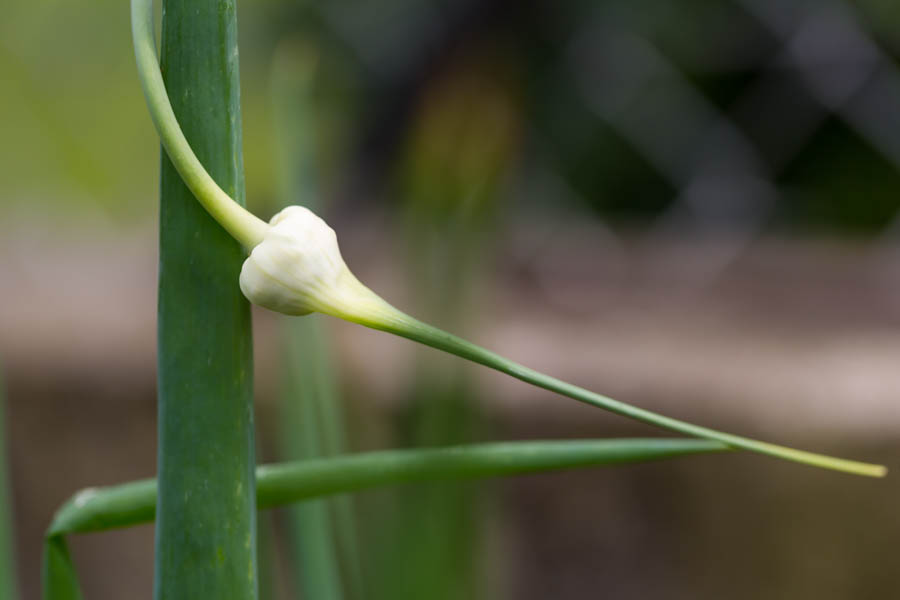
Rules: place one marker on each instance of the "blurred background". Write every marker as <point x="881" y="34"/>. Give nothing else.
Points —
<point x="691" y="206"/>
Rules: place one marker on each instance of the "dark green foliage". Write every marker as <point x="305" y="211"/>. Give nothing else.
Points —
<point x="840" y="183"/>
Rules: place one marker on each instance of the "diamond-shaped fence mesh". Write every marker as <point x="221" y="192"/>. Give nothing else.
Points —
<point x="802" y="66"/>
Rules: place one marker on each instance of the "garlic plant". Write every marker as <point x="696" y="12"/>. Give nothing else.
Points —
<point x="295" y="267"/>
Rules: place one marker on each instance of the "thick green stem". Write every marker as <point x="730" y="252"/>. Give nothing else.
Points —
<point x="206" y="525"/>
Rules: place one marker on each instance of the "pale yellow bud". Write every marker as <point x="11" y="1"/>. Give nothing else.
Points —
<point x="297" y="269"/>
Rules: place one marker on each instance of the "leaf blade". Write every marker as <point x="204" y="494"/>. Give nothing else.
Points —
<point x="134" y="502"/>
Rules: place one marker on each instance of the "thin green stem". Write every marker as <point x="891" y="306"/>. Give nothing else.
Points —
<point x="410" y="328"/>
<point x="243" y="225"/>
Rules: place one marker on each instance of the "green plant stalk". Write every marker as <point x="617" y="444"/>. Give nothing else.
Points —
<point x="310" y="423"/>
<point x="206" y="523"/>
<point x="330" y="416"/>
<point x="100" y="509"/>
<point x="238" y="221"/>
<point x="307" y="387"/>
<point x="7" y="560"/>
<point x="367" y="309"/>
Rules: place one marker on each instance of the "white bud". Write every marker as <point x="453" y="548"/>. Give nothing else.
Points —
<point x="298" y="269"/>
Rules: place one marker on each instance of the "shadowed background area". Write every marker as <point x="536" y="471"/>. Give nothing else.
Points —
<point x="690" y="206"/>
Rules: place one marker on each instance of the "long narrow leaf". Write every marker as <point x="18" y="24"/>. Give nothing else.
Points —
<point x="98" y="509"/>
<point x="60" y="580"/>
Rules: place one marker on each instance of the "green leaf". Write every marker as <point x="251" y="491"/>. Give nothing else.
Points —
<point x="60" y="581"/>
<point x="98" y="509"/>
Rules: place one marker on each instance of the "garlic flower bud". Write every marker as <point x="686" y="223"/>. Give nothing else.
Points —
<point x="297" y="269"/>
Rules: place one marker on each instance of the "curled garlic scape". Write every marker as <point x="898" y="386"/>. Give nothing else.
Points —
<point x="295" y="267"/>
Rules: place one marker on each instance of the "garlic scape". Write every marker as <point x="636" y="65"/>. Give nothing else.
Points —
<point x="295" y="267"/>
<point x="243" y="225"/>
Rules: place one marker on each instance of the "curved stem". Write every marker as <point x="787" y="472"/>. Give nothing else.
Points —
<point x="403" y="325"/>
<point x="377" y="314"/>
<point x="243" y="225"/>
